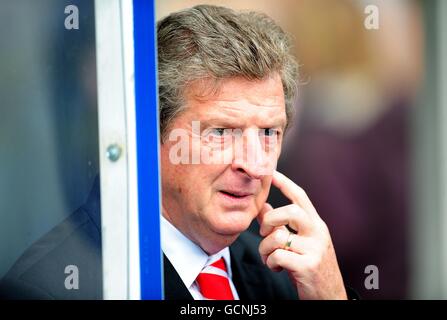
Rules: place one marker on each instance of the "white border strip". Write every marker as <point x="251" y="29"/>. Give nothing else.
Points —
<point x="129" y="83"/>
<point x="112" y="130"/>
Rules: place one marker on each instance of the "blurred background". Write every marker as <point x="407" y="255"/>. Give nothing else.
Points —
<point x="358" y="144"/>
<point x="367" y="143"/>
<point x="48" y="119"/>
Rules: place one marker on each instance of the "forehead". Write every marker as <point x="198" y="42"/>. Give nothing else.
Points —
<point x="238" y="99"/>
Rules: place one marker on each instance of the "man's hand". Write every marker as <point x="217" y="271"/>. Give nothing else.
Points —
<point x="310" y="258"/>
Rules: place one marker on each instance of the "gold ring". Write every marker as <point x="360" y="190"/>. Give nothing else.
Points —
<point x="289" y="241"/>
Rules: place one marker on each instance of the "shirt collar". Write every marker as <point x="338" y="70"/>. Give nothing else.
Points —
<point x="187" y="258"/>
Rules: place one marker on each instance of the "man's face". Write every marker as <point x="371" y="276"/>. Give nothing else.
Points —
<point x="240" y="127"/>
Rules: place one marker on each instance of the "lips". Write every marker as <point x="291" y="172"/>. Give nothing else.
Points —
<point x="236" y="194"/>
<point x="236" y="198"/>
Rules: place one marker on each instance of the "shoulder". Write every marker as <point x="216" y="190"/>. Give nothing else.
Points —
<point x="41" y="270"/>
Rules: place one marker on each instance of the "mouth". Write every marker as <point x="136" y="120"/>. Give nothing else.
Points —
<point x="235" y="194"/>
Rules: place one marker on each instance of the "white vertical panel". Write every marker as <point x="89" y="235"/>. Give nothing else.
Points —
<point x="129" y="83"/>
<point x="112" y="130"/>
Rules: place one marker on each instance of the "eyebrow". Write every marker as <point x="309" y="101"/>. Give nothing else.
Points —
<point x="225" y="122"/>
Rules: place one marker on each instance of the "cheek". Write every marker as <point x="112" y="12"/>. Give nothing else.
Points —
<point x="195" y="181"/>
<point x="174" y="176"/>
<point x="273" y="162"/>
<point x="265" y="189"/>
<point x="216" y="152"/>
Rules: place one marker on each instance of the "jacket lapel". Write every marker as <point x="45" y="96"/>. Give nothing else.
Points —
<point x="174" y="287"/>
<point x="247" y="273"/>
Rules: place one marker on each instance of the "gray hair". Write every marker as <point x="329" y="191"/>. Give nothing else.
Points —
<point x="211" y="42"/>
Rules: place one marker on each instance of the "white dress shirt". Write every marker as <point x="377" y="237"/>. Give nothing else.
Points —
<point x="188" y="259"/>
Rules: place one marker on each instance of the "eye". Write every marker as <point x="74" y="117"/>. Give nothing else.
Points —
<point x="220" y="132"/>
<point x="268" y="132"/>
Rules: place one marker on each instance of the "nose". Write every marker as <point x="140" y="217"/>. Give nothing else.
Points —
<point x="250" y="156"/>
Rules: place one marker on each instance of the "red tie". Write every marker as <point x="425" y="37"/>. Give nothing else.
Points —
<point x="213" y="282"/>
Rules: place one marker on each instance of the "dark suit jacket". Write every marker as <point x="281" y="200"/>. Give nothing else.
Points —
<point x="39" y="272"/>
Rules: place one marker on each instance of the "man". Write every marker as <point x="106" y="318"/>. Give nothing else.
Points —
<point x="226" y="83"/>
<point x="232" y="72"/>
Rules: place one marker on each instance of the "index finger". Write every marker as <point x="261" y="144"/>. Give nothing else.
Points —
<point x="292" y="191"/>
<point x="260" y="217"/>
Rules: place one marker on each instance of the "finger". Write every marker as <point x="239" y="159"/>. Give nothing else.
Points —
<point x="292" y="191"/>
<point x="279" y="239"/>
<point x="283" y="259"/>
<point x="273" y="241"/>
<point x="266" y="208"/>
<point x="292" y="215"/>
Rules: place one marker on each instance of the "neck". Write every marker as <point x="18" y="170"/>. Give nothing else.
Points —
<point x="210" y="242"/>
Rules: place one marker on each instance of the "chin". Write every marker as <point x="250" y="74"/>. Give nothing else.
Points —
<point x="231" y="223"/>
